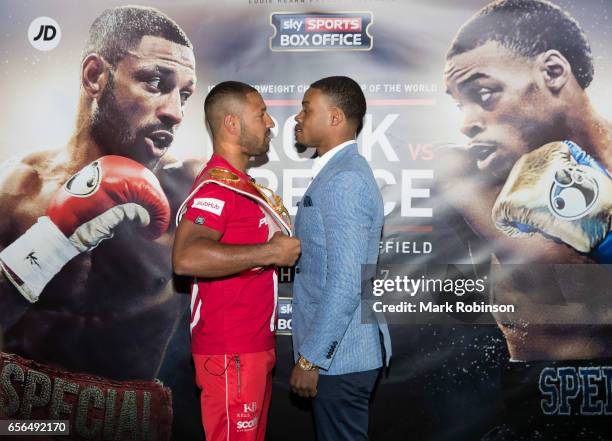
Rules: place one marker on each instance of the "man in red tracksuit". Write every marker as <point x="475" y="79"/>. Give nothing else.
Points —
<point x="230" y="240"/>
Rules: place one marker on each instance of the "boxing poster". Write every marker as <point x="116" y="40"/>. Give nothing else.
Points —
<point x="488" y="133"/>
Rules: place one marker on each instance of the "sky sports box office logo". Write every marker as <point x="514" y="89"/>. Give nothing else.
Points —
<point x="321" y="31"/>
<point x="283" y="318"/>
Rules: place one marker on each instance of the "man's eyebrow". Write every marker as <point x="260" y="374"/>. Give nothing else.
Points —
<point x="475" y="76"/>
<point x="156" y="68"/>
<point x="465" y="83"/>
<point x="163" y="70"/>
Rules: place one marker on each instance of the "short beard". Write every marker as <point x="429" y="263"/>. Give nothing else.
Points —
<point x="249" y="142"/>
<point x="111" y="130"/>
<point x="109" y="127"/>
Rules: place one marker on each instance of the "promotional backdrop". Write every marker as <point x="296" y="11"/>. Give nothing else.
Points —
<point x="446" y="379"/>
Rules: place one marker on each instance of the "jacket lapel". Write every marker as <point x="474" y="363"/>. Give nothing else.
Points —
<point x="330" y="169"/>
<point x="326" y="173"/>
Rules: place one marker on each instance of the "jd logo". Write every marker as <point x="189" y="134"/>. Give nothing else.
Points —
<point x="44" y="33"/>
<point x="47" y="33"/>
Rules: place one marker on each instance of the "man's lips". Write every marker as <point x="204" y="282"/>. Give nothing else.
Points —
<point x="158" y="142"/>
<point x="483" y="154"/>
<point x="161" y="138"/>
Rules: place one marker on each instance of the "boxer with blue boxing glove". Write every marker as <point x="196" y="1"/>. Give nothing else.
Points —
<point x="560" y="191"/>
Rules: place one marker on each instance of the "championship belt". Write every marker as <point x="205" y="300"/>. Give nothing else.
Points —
<point x="266" y="198"/>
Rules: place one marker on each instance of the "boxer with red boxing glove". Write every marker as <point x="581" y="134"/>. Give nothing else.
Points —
<point x="86" y="228"/>
<point x="81" y="214"/>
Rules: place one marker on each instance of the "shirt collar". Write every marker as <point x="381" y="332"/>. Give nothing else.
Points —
<point x="320" y="161"/>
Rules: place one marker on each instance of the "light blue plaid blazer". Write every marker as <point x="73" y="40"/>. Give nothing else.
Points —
<point x="339" y="223"/>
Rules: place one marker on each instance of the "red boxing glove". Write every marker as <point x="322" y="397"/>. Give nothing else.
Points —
<point x="81" y="214"/>
<point x="104" y="193"/>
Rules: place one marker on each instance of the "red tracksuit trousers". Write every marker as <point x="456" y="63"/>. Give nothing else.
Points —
<point x="235" y="398"/>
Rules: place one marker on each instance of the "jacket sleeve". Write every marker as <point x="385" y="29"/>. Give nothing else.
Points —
<point x="346" y="213"/>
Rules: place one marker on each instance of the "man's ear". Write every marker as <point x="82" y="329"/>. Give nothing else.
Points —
<point x="556" y="70"/>
<point x="336" y="116"/>
<point x="94" y="74"/>
<point x="231" y="124"/>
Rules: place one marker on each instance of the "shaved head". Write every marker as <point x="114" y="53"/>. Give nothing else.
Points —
<point x="226" y="98"/>
<point x="118" y="30"/>
<point x="528" y="28"/>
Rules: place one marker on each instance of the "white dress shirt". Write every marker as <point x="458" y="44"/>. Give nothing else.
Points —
<point x="320" y="161"/>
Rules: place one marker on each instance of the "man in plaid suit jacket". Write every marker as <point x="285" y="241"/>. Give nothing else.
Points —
<point x="339" y="221"/>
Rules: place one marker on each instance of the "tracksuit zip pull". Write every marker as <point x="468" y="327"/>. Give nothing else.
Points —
<point x="237" y="359"/>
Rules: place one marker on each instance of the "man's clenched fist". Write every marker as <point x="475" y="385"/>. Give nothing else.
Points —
<point x="285" y="249"/>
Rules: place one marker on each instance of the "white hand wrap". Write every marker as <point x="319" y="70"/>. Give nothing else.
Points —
<point x="36" y="257"/>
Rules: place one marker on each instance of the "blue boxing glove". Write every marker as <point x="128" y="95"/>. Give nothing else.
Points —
<point x="560" y="191"/>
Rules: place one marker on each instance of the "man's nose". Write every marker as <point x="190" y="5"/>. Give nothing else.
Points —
<point x="472" y="122"/>
<point x="170" y="112"/>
